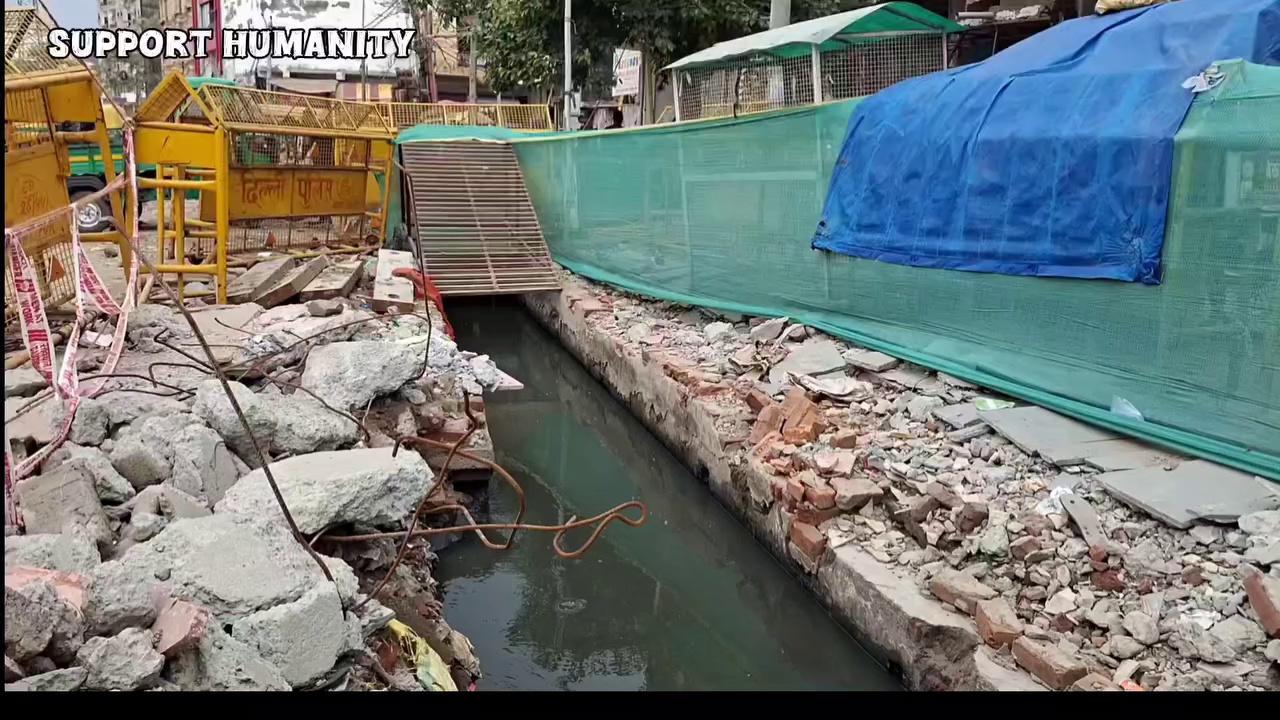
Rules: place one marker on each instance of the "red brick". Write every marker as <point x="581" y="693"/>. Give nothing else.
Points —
<point x="972" y="515"/>
<point x="1192" y="575"/>
<point x="1049" y="664"/>
<point x="1097" y="553"/>
<point x="846" y="438"/>
<point x="808" y="539"/>
<point x="962" y="590"/>
<point x="179" y="626"/>
<point x="814" y="516"/>
<point x="1108" y="580"/>
<point x="758" y="401"/>
<point x="852" y="493"/>
<point x="781" y="464"/>
<point x="795" y="489"/>
<point x="706" y="389"/>
<point x="1024" y="546"/>
<point x="821" y="498"/>
<point x="997" y="623"/>
<point x="68" y="586"/>
<point x="770" y="420"/>
<point x="1264" y="598"/>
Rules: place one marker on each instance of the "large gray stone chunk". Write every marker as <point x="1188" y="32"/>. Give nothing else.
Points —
<point x="65" y="496"/>
<point x="212" y="406"/>
<point x="231" y="564"/>
<point x="202" y="465"/>
<point x="142" y="460"/>
<point x="28" y="625"/>
<point x="124" y="662"/>
<point x="349" y="375"/>
<point x="367" y="486"/>
<point x="112" y="487"/>
<point x="1263" y="522"/>
<point x="119" y="597"/>
<point x="66" y="624"/>
<point x="23" y="382"/>
<point x="304" y="426"/>
<point x="220" y="662"/>
<point x="66" y="680"/>
<point x="302" y="638"/>
<point x="70" y="551"/>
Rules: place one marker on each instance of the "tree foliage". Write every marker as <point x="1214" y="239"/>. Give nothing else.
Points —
<point x="522" y="40"/>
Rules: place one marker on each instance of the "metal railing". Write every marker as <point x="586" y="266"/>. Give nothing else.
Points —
<point x="514" y="116"/>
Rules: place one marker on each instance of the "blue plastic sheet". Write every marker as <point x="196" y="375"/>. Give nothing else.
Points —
<point x="1052" y="158"/>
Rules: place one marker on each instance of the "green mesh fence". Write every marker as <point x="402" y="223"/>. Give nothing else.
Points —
<point x="721" y="214"/>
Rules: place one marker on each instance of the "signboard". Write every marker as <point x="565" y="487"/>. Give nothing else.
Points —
<point x="34" y="185"/>
<point x="626" y="72"/>
<point x="292" y="193"/>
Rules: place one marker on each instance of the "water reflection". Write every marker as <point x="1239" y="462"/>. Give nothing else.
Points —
<point x="689" y="601"/>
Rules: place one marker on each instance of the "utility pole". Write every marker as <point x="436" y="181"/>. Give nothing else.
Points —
<point x="471" y="61"/>
<point x="568" y="58"/>
<point x="431" y="58"/>
<point x="779" y="13"/>
<point x="267" y="11"/>
<point x="364" y="62"/>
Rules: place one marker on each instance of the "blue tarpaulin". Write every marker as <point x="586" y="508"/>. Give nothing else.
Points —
<point x="1052" y="158"/>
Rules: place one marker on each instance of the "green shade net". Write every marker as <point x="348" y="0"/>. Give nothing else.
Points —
<point x="721" y="213"/>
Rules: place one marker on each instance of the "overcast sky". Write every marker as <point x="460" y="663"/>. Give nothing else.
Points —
<point x="74" y="13"/>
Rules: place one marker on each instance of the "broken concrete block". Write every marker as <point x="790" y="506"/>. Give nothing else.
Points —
<point x="144" y="526"/>
<point x="302" y="638"/>
<point x="1195" y="490"/>
<point x="37" y="425"/>
<point x="59" y="597"/>
<point x="337" y="280"/>
<point x="142" y="460"/>
<point x="812" y="357"/>
<point x="177" y="505"/>
<point x="854" y="492"/>
<point x="920" y="407"/>
<point x="112" y="487"/>
<point x="304" y="426"/>
<point x="179" y="626"/>
<point x="212" y="406"/>
<point x="390" y="291"/>
<point x="65" y="680"/>
<point x="119" y="597"/>
<point x="258" y="279"/>
<point x="65" y="496"/>
<point x="344" y="578"/>
<point x="348" y="375"/>
<point x="23" y="382"/>
<point x="220" y="662"/>
<point x="869" y="360"/>
<point x="768" y="330"/>
<point x="292" y="283"/>
<point x="959" y="589"/>
<point x="202" y="465"/>
<point x="28" y="625"/>
<point x="324" y="308"/>
<point x="367" y="486"/>
<point x="1047" y="663"/>
<point x="70" y="552"/>
<point x="1264" y="597"/>
<point x="124" y="662"/>
<point x="231" y="564"/>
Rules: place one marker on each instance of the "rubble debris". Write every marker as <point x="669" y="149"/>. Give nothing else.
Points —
<point x="111" y="486"/>
<point x="119" y="596"/>
<point x="390" y="291"/>
<point x="1195" y="490"/>
<point x="769" y="330"/>
<point x="70" y="551"/>
<point x="1264" y="597"/>
<point x="64" y="680"/>
<point x="65" y="495"/>
<point x="124" y="662"/>
<point x="179" y="626"/>
<point x="258" y="279"/>
<point x="960" y="589"/>
<point x="997" y="623"/>
<point x="1093" y="682"/>
<point x="1047" y="663"/>
<point x="28" y="625"/>
<point x="23" y="381"/>
<point x="220" y="662"/>
<point x="292" y="283"/>
<point x="349" y="375"/>
<point x="336" y="280"/>
<point x="814" y="357"/>
<point x="302" y="638"/>
<point x="869" y="360"/>
<point x="367" y="486"/>
<point x="324" y="308"/>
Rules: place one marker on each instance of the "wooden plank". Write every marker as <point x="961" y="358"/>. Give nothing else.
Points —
<point x="293" y="283"/>
<point x="390" y="291"/>
<point x="258" y="279"/>
<point x="337" y="280"/>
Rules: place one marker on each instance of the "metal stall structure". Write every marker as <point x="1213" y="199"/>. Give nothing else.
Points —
<point x="50" y="104"/>
<point x="836" y="57"/>
<point x="275" y="172"/>
<point x="512" y="116"/>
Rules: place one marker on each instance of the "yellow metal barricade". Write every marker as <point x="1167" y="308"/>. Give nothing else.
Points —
<point x="513" y="116"/>
<point x="272" y="171"/>
<point x="50" y="103"/>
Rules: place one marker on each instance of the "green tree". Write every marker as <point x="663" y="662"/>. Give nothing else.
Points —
<point x="522" y="40"/>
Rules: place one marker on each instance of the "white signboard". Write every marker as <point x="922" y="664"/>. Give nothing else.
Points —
<point x="626" y="72"/>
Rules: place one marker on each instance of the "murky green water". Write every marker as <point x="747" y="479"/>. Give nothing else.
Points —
<point x="689" y="601"/>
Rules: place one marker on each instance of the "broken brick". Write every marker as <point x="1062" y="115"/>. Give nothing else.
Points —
<point x="1023" y="546"/>
<point x="769" y="421"/>
<point x="758" y="401"/>
<point x="1093" y="682"/>
<point x="959" y="589"/>
<point x="795" y="490"/>
<point x="808" y="539"/>
<point x="1108" y="580"/>
<point x="852" y="493"/>
<point x="1047" y="663"/>
<point x="814" y="516"/>
<point x="1264" y="598"/>
<point x="846" y="438"/>
<point x="179" y="625"/>
<point x="821" y="497"/>
<point x="972" y="515"/>
<point x="997" y="623"/>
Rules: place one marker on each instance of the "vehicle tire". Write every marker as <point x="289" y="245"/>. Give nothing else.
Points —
<point x="94" y="216"/>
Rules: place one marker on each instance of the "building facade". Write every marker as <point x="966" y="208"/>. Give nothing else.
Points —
<point x="129" y="79"/>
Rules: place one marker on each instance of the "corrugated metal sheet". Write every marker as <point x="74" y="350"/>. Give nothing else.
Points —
<point x="475" y="222"/>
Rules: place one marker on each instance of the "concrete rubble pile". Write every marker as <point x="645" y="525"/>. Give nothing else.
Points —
<point x="848" y="446"/>
<point x="154" y="555"/>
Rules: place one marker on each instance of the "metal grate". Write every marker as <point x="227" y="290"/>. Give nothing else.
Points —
<point x="871" y="65"/>
<point x="513" y="116"/>
<point x="472" y="216"/>
<point x="26" y="45"/>
<point x="165" y="99"/>
<point x="285" y="111"/>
